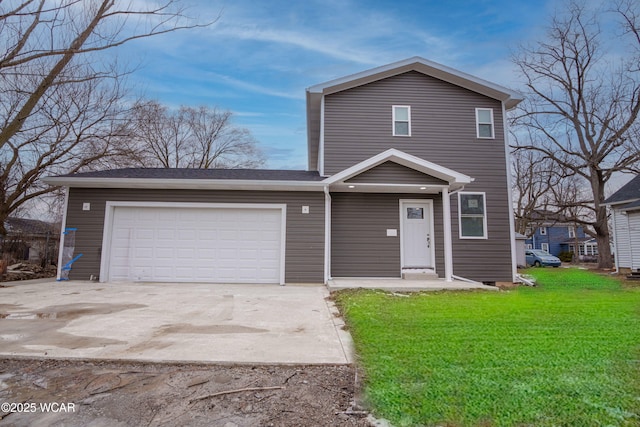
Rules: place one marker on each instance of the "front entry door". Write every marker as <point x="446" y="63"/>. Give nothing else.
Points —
<point x="416" y="234"/>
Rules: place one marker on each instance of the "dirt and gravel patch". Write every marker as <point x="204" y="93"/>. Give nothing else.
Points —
<point x="26" y="271"/>
<point x="110" y="393"/>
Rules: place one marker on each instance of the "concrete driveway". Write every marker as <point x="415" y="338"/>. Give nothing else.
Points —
<point x="173" y="322"/>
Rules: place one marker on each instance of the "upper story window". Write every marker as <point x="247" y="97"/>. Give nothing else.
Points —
<point x="484" y="123"/>
<point x="572" y="231"/>
<point x="472" y="215"/>
<point x="401" y="120"/>
<point x="543" y="231"/>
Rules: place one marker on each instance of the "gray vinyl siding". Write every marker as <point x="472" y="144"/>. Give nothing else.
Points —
<point x="304" y="256"/>
<point x="358" y="125"/>
<point x="360" y="245"/>
<point x="393" y="173"/>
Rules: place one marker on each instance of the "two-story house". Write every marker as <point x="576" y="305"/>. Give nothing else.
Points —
<point x="408" y="171"/>
<point x="553" y="233"/>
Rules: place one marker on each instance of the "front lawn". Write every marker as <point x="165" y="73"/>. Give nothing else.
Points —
<point x="564" y="353"/>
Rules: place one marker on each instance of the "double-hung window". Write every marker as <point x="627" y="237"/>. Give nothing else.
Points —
<point x="401" y="120"/>
<point x="472" y="215"/>
<point x="484" y="123"/>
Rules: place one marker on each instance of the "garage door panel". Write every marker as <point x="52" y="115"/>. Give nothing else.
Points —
<point x="234" y="245"/>
<point x="166" y="253"/>
<point x="186" y="253"/>
<point x="208" y="234"/>
<point x="207" y="253"/>
<point x="143" y="253"/>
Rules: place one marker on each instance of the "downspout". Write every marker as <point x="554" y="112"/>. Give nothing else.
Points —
<point x="448" y="240"/>
<point x="63" y="226"/>
<point x="321" y="142"/>
<point x="512" y="228"/>
<point x="327" y="235"/>
<point x="448" y="258"/>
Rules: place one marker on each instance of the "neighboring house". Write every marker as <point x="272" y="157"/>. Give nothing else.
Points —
<point x="625" y="208"/>
<point x="30" y="240"/>
<point x="553" y="233"/>
<point x="407" y="169"/>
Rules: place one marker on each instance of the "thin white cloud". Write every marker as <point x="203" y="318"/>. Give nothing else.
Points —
<point x="253" y="87"/>
<point x="316" y="43"/>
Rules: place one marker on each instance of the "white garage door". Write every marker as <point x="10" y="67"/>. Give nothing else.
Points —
<point x="177" y="244"/>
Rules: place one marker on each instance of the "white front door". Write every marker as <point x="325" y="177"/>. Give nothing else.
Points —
<point x="416" y="236"/>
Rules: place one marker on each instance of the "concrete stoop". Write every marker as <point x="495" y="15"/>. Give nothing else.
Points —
<point x="418" y="274"/>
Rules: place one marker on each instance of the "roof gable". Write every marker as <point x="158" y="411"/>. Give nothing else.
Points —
<point x="394" y="173"/>
<point x="440" y="177"/>
<point x="424" y="66"/>
<point x="315" y="94"/>
<point x="627" y="193"/>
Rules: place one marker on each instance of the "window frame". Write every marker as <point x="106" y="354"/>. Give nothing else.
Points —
<point x="393" y="120"/>
<point x="572" y="231"/>
<point x="478" y="123"/>
<point x="543" y="231"/>
<point x="485" y="235"/>
<point x="543" y="246"/>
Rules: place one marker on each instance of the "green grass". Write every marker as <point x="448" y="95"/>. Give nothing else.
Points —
<point x="564" y="353"/>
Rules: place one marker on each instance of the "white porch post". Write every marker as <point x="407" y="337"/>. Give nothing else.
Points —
<point x="65" y="208"/>
<point x="327" y="235"/>
<point x="448" y="246"/>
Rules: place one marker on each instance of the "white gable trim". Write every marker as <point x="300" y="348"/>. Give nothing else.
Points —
<point x="614" y="205"/>
<point x="450" y="75"/>
<point x="455" y="179"/>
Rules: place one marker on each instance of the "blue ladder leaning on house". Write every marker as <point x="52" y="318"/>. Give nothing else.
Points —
<point x="67" y="253"/>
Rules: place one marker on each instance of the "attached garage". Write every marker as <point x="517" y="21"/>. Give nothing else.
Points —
<point x="196" y="225"/>
<point x="194" y="242"/>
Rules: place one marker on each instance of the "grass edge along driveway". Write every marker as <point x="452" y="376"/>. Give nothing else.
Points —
<point x="564" y="353"/>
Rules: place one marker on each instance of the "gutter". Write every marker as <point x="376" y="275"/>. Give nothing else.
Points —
<point x="196" y="184"/>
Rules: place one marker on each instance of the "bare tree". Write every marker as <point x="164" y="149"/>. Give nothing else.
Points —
<point x="61" y="104"/>
<point x="533" y="177"/>
<point x="191" y="137"/>
<point x="582" y="104"/>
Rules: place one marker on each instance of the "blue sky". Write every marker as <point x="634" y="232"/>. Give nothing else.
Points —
<point x="260" y="56"/>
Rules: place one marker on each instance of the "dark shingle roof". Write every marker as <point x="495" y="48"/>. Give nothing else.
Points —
<point x="629" y="191"/>
<point x="630" y="206"/>
<point x="184" y="173"/>
<point x="547" y="216"/>
<point x="28" y="226"/>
